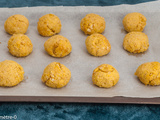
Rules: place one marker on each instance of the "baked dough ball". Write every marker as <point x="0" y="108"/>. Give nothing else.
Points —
<point x="98" y="45"/>
<point x="93" y="23"/>
<point x="105" y="76"/>
<point x="20" y="45"/>
<point x="49" y="25"/>
<point x="58" y="46"/>
<point x="134" y="22"/>
<point x="149" y="73"/>
<point x="136" y="42"/>
<point x="11" y="73"/>
<point x="56" y="75"/>
<point x="16" y="24"/>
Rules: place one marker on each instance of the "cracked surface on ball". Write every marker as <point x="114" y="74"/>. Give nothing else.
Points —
<point x="149" y="73"/>
<point x="11" y="73"/>
<point x="49" y="25"/>
<point x="20" y="45"/>
<point x="92" y="23"/>
<point x="134" y="22"/>
<point x="105" y="76"/>
<point x="58" y="46"/>
<point x="16" y="24"/>
<point x="56" y="75"/>
<point x="97" y="45"/>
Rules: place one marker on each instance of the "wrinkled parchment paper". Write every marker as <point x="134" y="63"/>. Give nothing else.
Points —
<point x="79" y="61"/>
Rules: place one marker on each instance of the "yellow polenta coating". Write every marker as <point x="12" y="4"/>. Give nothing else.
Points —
<point x="49" y="25"/>
<point x="105" y="76"/>
<point x="11" y="73"/>
<point x="58" y="46"/>
<point x="16" y="24"/>
<point x="97" y="45"/>
<point x="56" y="75"/>
<point x="134" y="22"/>
<point x="92" y="23"/>
<point x="136" y="42"/>
<point x="149" y="73"/>
<point x="20" y="45"/>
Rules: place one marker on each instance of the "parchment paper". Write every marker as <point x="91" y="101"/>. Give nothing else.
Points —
<point x="79" y="61"/>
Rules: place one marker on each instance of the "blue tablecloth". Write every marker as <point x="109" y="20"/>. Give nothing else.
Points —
<point x="30" y="3"/>
<point x="75" y="111"/>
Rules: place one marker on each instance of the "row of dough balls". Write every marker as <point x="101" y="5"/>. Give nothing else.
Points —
<point x="57" y="75"/>
<point x="20" y="45"/>
<point x="135" y="41"/>
<point x="96" y="44"/>
<point x="50" y="24"/>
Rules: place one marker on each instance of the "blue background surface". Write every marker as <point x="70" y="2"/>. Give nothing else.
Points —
<point x="30" y="3"/>
<point x="76" y="111"/>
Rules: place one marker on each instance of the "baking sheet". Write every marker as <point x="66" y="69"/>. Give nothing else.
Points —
<point x="79" y="61"/>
